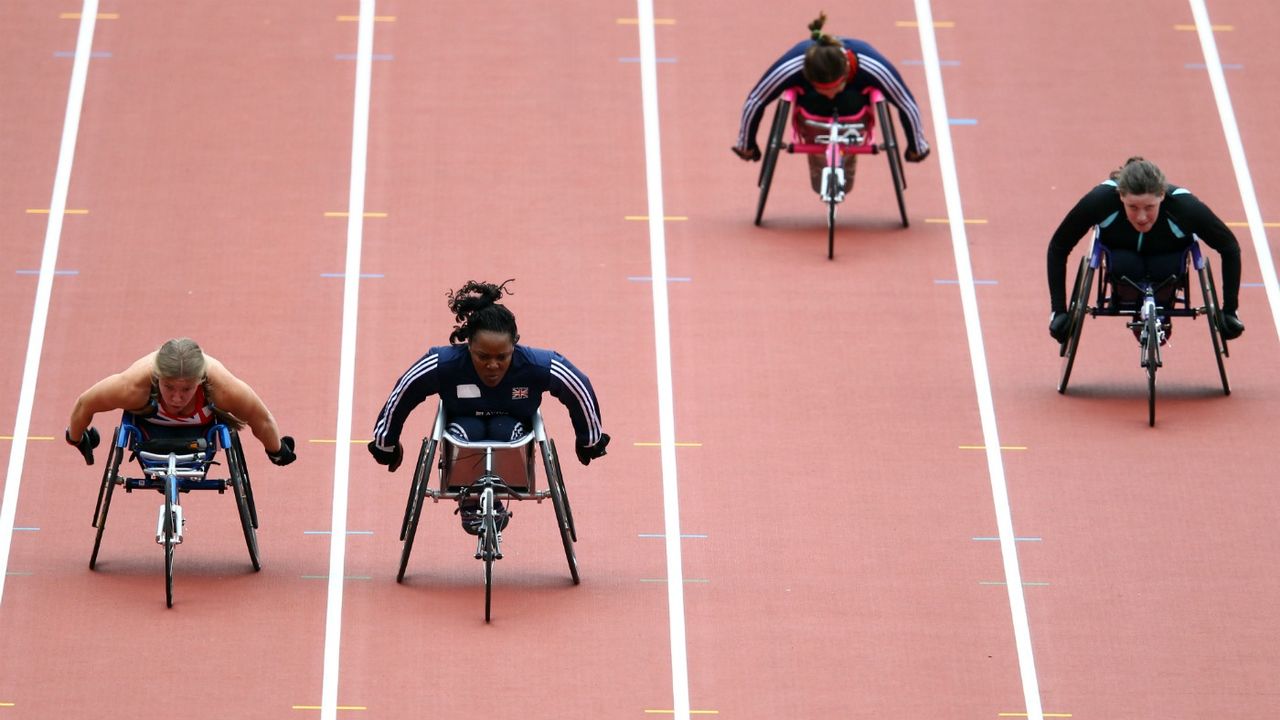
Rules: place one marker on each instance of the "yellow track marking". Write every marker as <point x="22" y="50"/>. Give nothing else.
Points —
<point x="1245" y="224"/>
<point x="1192" y="28"/>
<point x="343" y="213"/>
<point x="936" y="23"/>
<point x="945" y="221"/>
<point x="29" y="437"/>
<point x="658" y="444"/>
<point x="76" y="16"/>
<point x="668" y="218"/>
<point x="656" y="21"/>
<point x="984" y="447"/>
<point x="340" y="707"/>
<point x="46" y="211"/>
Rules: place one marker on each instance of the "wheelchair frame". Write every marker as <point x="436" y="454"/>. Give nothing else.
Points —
<point x="167" y="470"/>
<point x="847" y="135"/>
<point x="494" y="471"/>
<point x="1146" y="314"/>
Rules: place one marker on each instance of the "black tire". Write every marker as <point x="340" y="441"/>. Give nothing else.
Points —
<point x="1214" y="314"/>
<point x="564" y="494"/>
<point x="1151" y="359"/>
<point x="168" y="533"/>
<point x="1076" y="310"/>
<point x="560" y="501"/>
<point x="831" y="228"/>
<point x="488" y="584"/>
<point x="240" y="488"/>
<point x="413" y="509"/>
<point x="244" y="472"/>
<point x="895" y="158"/>
<point x="110" y="472"/>
<point x="771" y="149"/>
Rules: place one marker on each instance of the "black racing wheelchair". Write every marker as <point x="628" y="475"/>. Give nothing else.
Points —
<point x="484" y="474"/>
<point x="1149" y="305"/>
<point x="173" y="467"/>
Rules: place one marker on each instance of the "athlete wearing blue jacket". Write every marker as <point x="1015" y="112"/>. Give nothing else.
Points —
<point x="490" y="386"/>
<point x="833" y="73"/>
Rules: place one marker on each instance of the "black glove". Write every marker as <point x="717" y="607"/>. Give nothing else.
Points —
<point x="89" y="440"/>
<point x="749" y="154"/>
<point x="285" y="454"/>
<point x="915" y="156"/>
<point x="1060" y="326"/>
<point x="587" y="454"/>
<point x="390" y="458"/>
<point x="1232" y="328"/>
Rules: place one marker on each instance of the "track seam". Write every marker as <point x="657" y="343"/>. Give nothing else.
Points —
<point x="662" y="343"/>
<point x="44" y="286"/>
<point x="978" y="357"/>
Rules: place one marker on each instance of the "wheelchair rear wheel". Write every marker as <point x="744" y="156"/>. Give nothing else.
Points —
<point x="895" y="158"/>
<point x="1214" y="314"/>
<point x="770" y="160"/>
<point x="244" y="472"/>
<point x="1076" y="312"/>
<point x="560" y="501"/>
<point x="244" y="501"/>
<point x="109" y="475"/>
<point x="413" y="509"/>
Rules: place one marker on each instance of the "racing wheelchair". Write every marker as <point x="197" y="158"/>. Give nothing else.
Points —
<point x="1149" y="304"/>
<point x="838" y="137"/>
<point x="487" y="472"/>
<point x="172" y="467"/>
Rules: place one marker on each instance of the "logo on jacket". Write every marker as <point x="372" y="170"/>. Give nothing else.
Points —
<point x="520" y="393"/>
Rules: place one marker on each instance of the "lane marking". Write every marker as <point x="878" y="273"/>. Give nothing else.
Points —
<point x="345" y="214"/>
<point x="660" y="444"/>
<point x="347" y="366"/>
<point x="978" y="359"/>
<point x="97" y="16"/>
<point x="645" y="218"/>
<point x="984" y="447"/>
<point x="654" y="21"/>
<point x="44" y="286"/>
<point x="1235" y="146"/>
<point x="1195" y="28"/>
<point x="662" y="357"/>
<point x="916" y="24"/>
<point x="65" y="211"/>
<point x="947" y="221"/>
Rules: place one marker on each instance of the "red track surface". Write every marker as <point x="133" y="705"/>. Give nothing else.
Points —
<point x="833" y="572"/>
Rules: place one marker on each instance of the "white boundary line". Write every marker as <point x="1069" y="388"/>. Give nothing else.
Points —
<point x="347" y="370"/>
<point x="44" y="287"/>
<point x="1235" y="146"/>
<point x="978" y="356"/>
<point x="662" y="343"/>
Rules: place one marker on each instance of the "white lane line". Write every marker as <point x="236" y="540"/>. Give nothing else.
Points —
<point x="44" y="286"/>
<point x="347" y="367"/>
<point x="978" y="357"/>
<point x="1235" y="146"/>
<point x="662" y="342"/>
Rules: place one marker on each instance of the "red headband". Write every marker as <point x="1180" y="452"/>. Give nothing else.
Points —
<point x="853" y="68"/>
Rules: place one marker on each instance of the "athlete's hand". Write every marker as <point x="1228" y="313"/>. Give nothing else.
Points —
<point x="1060" y="326"/>
<point x="588" y="453"/>
<point x="88" y="441"/>
<point x="391" y="458"/>
<point x="748" y="154"/>
<point x="285" y="454"/>
<point x="915" y="155"/>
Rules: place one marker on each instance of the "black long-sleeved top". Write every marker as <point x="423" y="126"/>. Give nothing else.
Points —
<point x="1181" y="215"/>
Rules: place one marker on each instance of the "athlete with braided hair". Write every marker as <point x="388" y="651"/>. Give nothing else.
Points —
<point x="490" y="386"/>
<point x="832" y="73"/>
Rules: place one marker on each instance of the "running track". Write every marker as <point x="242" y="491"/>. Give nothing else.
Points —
<point x="840" y="555"/>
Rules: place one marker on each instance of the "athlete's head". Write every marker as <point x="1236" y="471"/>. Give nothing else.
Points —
<point x="1141" y="186"/>
<point x="179" y="369"/>
<point x="488" y="328"/>
<point x="827" y="66"/>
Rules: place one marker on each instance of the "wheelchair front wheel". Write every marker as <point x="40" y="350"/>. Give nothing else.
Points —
<point x="831" y="227"/>
<point x="168" y="536"/>
<point x="109" y="474"/>
<point x="1076" y="311"/>
<point x="1151" y="361"/>
<point x="771" y="149"/>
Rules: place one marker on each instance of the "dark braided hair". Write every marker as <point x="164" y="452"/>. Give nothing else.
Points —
<point x="825" y="61"/>
<point x="475" y="307"/>
<point x="1139" y="176"/>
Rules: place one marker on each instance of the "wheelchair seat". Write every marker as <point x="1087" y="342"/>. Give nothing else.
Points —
<point x="464" y="464"/>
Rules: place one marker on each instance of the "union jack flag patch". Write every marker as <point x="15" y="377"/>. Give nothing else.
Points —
<point x="520" y="393"/>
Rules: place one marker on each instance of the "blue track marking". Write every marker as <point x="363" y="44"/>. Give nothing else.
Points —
<point x="636" y="60"/>
<point x="1202" y="66"/>
<point x="962" y="121"/>
<point x="55" y="272"/>
<point x="947" y="281"/>
<point x="943" y="63"/>
<point x="96" y="54"/>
